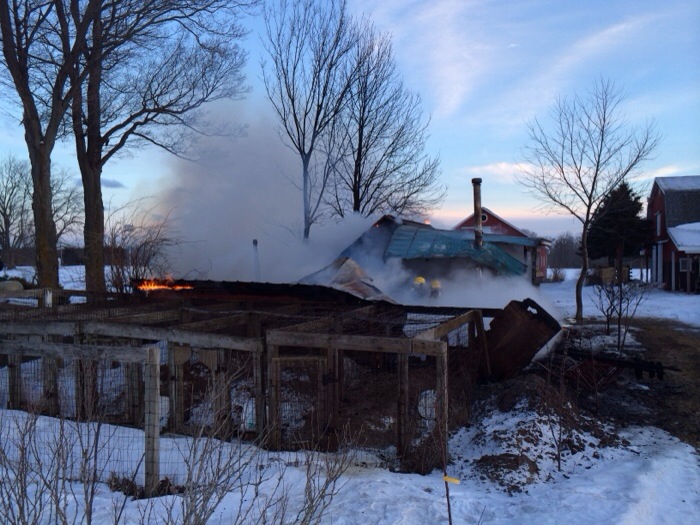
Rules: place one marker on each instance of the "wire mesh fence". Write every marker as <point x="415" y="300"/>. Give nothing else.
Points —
<point x="146" y="387"/>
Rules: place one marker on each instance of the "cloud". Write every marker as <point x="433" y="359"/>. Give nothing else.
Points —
<point x="112" y="183"/>
<point x="497" y="171"/>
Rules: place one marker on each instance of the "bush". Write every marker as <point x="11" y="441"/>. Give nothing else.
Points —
<point x="556" y="275"/>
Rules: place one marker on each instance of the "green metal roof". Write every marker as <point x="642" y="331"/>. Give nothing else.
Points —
<point x="416" y="242"/>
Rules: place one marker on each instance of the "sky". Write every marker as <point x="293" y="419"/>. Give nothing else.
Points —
<point x="483" y="69"/>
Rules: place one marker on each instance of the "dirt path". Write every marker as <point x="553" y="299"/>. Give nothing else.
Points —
<point x="674" y="402"/>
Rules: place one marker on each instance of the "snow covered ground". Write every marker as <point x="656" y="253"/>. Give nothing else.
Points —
<point x="645" y="477"/>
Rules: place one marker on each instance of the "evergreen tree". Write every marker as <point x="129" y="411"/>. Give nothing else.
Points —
<point x="617" y="224"/>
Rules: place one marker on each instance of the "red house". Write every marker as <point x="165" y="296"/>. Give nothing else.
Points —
<point x="674" y="212"/>
<point x="530" y="250"/>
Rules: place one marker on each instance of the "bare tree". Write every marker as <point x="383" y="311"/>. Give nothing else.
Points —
<point x="42" y="41"/>
<point x="564" y="252"/>
<point x="138" y="241"/>
<point x="16" y="222"/>
<point x="144" y="76"/>
<point x="588" y="151"/>
<point x="16" y="227"/>
<point x="308" y="77"/>
<point x="381" y="166"/>
<point x="67" y="200"/>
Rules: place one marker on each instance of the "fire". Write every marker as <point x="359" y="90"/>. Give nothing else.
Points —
<point x="161" y="284"/>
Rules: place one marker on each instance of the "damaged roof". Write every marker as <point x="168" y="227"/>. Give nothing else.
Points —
<point x="410" y="241"/>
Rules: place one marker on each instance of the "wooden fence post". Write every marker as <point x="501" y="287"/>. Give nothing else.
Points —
<point x="152" y="419"/>
<point x="14" y="364"/>
<point x="49" y="368"/>
<point x="259" y="373"/>
<point x="134" y="393"/>
<point x="441" y="399"/>
<point x="403" y="438"/>
<point x="177" y="357"/>
<point x="273" y="398"/>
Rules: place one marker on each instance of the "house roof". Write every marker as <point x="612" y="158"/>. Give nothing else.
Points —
<point x="682" y="199"/>
<point x="686" y="237"/>
<point x="682" y="183"/>
<point x="417" y="242"/>
<point x="522" y="240"/>
<point x="495" y="215"/>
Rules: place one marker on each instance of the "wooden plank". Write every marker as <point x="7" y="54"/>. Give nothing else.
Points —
<point x="297" y="359"/>
<point x="125" y="354"/>
<point x="218" y="323"/>
<point x="60" y="328"/>
<point x="159" y="316"/>
<point x="435" y="348"/>
<point x="152" y="419"/>
<point x="344" y="342"/>
<point x="173" y="335"/>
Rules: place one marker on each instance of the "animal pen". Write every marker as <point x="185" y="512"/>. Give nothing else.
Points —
<point x="294" y="366"/>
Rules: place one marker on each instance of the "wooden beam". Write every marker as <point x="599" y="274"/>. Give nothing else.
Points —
<point x="159" y="316"/>
<point x="218" y="323"/>
<point x="126" y="354"/>
<point x="173" y="335"/>
<point x="345" y="342"/>
<point x="441" y="330"/>
<point x="61" y="328"/>
<point x="436" y="348"/>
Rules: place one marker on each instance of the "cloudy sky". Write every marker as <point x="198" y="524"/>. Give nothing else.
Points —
<point x="483" y="70"/>
<point x="486" y="68"/>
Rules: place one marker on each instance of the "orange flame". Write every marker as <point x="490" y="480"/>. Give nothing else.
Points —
<point x="156" y="284"/>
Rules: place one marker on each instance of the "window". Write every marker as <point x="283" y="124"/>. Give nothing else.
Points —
<point x="683" y="264"/>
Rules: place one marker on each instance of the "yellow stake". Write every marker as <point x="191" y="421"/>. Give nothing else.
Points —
<point x="450" y="479"/>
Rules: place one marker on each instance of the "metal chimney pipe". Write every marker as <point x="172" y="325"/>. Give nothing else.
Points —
<point x="478" y="229"/>
<point x="256" y="261"/>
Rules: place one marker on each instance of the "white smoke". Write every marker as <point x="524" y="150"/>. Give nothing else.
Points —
<point x="241" y="190"/>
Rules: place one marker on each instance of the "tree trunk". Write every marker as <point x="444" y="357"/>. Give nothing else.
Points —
<point x="93" y="232"/>
<point x="89" y="152"/>
<point x="582" y="276"/>
<point x="45" y="228"/>
<point x="306" y="189"/>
